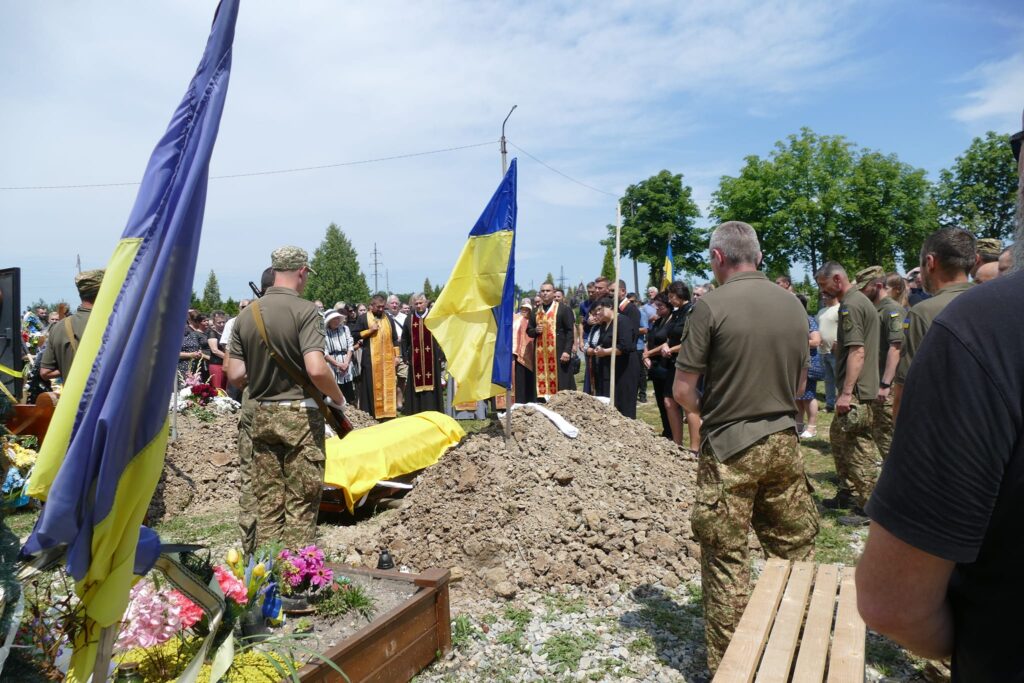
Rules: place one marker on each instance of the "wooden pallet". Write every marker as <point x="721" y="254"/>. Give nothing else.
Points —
<point x="781" y="633"/>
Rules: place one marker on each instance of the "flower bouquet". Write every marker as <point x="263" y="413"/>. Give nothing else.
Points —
<point x="302" y="574"/>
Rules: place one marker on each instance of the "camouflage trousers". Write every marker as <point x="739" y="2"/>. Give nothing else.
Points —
<point x="881" y="426"/>
<point x="287" y="473"/>
<point x="763" y="487"/>
<point x="853" y="447"/>
<point x="246" y="501"/>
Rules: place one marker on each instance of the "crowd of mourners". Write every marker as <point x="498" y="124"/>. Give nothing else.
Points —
<point x="922" y="371"/>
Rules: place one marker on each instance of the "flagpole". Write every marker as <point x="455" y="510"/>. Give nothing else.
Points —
<point x="615" y="319"/>
<point x="504" y="170"/>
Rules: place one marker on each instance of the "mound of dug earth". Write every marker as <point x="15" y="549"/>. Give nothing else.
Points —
<point x="201" y="466"/>
<point x="611" y="505"/>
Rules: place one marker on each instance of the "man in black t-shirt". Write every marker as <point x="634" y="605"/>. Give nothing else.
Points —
<point x="941" y="570"/>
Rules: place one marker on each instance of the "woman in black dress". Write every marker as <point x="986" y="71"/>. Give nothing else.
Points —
<point x="677" y="298"/>
<point x="660" y="374"/>
<point x="627" y="364"/>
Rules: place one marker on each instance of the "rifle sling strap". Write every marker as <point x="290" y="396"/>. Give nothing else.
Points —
<point x="299" y="378"/>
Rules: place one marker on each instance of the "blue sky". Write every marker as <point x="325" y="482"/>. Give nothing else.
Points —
<point x="609" y="93"/>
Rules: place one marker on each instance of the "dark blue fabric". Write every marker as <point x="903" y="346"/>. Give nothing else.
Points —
<point x="125" y="401"/>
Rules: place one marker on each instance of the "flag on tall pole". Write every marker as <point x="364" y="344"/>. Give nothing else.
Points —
<point x="472" y="319"/>
<point x="666" y="272"/>
<point x="104" y="451"/>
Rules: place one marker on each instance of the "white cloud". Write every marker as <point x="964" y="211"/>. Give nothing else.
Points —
<point x="995" y="101"/>
<point x="606" y="91"/>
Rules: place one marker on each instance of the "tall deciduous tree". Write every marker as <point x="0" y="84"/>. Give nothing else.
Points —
<point x="211" y="293"/>
<point x="979" y="192"/>
<point x="818" y="198"/>
<point x="338" y="277"/>
<point x="656" y="211"/>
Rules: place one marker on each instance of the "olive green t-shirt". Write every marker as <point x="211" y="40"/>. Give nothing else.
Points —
<point x="294" y="327"/>
<point x="918" y="322"/>
<point x="58" y="354"/>
<point x="749" y="340"/>
<point x="858" y="326"/>
<point x="890" y="320"/>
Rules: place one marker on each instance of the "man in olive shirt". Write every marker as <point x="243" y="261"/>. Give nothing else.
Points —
<point x="287" y="427"/>
<point x="947" y="257"/>
<point x="750" y="471"/>
<point x="890" y="326"/>
<point x="857" y="378"/>
<point x="64" y="335"/>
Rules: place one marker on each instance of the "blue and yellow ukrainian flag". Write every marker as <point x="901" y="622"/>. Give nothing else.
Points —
<point x="666" y="271"/>
<point x="472" y="319"/>
<point x="104" y="451"/>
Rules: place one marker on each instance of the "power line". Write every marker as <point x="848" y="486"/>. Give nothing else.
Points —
<point x="250" y="174"/>
<point x="564" y="175"/>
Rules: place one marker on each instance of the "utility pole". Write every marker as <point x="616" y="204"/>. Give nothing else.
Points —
<point x="561" y="278"/>
<point x="78" y="262"/>
<point x="387" y="281"/>
<point x="375" y="264"/>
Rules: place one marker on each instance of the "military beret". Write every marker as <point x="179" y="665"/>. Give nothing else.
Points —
<point x="869" y="275"/>
<point x="89" y="282"/>
<point x="290" y="258"/>
<point x="989" y="246"/>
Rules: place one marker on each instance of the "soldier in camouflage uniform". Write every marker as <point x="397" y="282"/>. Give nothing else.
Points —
<point x="247" y="503"/>
<point x="287" y="431"/>
<point x="750" y="472"/>
<point x="851" y="435"/>
<point x="890" y="327"/>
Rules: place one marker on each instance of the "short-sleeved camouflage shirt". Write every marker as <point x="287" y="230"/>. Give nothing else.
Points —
<point x="919" y="320"/>
<point x="294" y="327"/>
<point x="890" y="319"/>
<point x="749" y="340"/>
<point x="858" y="326"/>
<point x="59" y="352"/>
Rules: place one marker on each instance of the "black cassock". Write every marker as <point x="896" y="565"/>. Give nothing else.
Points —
<point x="417" y="340"/>
<point x="627" y="366"/>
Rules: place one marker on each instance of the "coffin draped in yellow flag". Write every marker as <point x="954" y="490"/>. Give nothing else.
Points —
<point x="472" y="319"/>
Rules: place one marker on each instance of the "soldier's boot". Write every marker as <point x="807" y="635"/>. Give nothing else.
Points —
<point x="843" y="500"/>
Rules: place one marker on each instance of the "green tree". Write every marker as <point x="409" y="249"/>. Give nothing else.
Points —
<point x="818" y="198"/>
<point x="889" y="210"/>
<point x="211" y="293"/>
<point x="608" y="264"/>
<point x="428" y="290"/>
<point x="231" y="307"/>
<point x="338" y="277"/>
<point x="550" y="279"/>
<point x="979" y="192"/>
<point x="656" y="211"/>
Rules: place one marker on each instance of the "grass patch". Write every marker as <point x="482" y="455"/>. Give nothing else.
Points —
<point x="565" y="650"/>
<point x="562" y="604"/>
<point x="463" y="631"/>
<point x="516" y="636"/>
<point x="833" y="542"/>
<point x="351" y="598"/>
<point x="642" y="644"/>
<point x="187" y="528"/>
<point x="679" y="620"/>
<point x="21" y="521"/>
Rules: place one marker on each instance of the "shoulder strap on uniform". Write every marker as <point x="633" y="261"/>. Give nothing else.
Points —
<point x="71" y="334"/>
<point x="298" y="377"/>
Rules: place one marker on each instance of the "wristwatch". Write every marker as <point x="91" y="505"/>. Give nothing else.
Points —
<point x="884" y="385"/>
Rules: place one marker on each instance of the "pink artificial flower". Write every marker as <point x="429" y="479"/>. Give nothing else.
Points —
<point x="152" y="617"/>
<point x="312" y="555"/>
<point x="190" y="613"/>
<point x="231" y="585"/>
<point x="321" y="577"/>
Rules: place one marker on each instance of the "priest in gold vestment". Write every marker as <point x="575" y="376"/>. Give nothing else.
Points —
<point x="378" y="332"/>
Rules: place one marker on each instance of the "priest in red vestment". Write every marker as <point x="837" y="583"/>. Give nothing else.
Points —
<point x="423" y="355"/>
